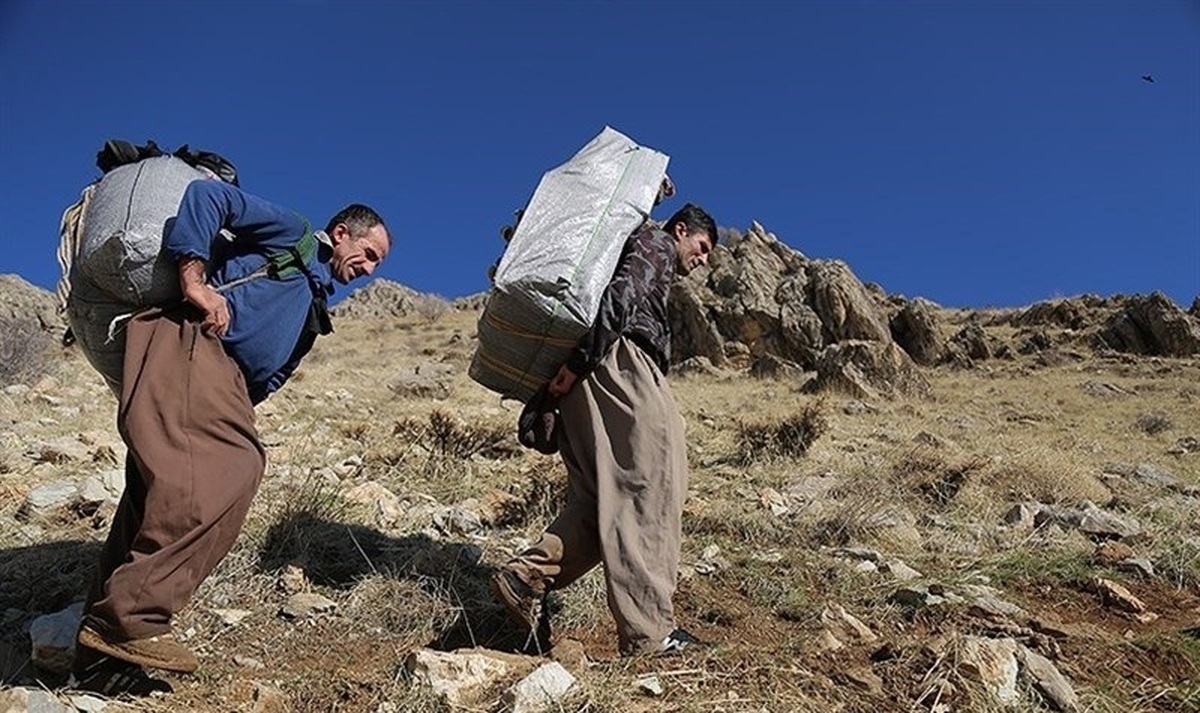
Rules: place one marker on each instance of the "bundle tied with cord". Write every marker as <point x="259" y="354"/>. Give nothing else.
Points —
<point x="546" y="290"/>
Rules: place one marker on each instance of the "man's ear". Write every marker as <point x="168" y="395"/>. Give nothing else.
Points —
<point x="681" y="230"/>
<point x="339" y="234"/>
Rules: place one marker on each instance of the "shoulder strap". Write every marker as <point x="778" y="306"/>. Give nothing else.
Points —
<point x="285" y="263"/>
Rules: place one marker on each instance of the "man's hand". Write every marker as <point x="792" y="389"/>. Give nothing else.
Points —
<point x="198" y="292"/>
<point x="562" y="382"/>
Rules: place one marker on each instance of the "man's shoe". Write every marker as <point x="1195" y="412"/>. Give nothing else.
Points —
<point x="678" y="642"/>
<point x="112" y="677"/>
<point x="525" y="606"/>
<point x="153" y="651"/>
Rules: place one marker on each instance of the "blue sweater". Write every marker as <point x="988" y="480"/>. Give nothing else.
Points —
<point x="267" y="336"/>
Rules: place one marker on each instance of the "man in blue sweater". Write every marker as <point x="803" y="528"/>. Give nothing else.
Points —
<point x="191" y="378"/>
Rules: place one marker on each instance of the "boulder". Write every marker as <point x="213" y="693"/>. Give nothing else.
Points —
<point x="760" y="297"/>
<point x="869" y="370"/>
<point x="1152" y="325"/>
<point x="917" y="329"/>
<point x="461" y="677"/>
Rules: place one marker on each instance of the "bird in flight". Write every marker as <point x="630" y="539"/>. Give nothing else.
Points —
<point x="1148" y="78"/>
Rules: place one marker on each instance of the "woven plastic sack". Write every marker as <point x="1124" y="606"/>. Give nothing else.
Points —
<point x="548" y="285"/>
<point x="116" y="263"/>
<point x="121" y="247"/>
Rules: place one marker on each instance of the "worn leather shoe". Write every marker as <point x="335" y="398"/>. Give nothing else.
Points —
<point x="160" y="651"/>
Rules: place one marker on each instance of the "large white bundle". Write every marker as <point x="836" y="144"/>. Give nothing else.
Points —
<point x="121" y="247"/>
<point x="548" y="286"/>
<point x="115" y="256"/>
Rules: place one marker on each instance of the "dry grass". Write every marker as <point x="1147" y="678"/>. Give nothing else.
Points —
<point x="789" y="436"/>
<point x="925" y="481"/>
<point x="26" y="351"/>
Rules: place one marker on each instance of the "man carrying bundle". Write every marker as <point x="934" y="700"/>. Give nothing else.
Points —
<point x="622" y="440"/>
<point x="192" y="375"/>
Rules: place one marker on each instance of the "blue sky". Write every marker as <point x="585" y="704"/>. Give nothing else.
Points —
<point x="978" y="153"/>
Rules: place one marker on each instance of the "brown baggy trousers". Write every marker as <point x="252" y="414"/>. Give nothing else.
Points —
<point x="194" y="464"/>
<point x="627" y="479"/>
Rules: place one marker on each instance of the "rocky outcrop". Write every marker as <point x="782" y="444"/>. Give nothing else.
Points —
<point x="968" y="345"/>
<point x="1152" y="325"/>
<point x="470" y="303"/>
<point x="917" y="329"/>
<point x="868" y="370"/>
<point x="1068" y="313"/>
<point x="21" y="302"/>
<point x="759" y="296"/>
<point x="384" y="298"/>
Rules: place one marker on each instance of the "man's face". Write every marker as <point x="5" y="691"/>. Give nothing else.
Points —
<point x="692" y="248"/>
<point x="355" y="257"/>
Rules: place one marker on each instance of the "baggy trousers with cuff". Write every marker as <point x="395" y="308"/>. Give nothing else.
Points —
<point x="627" y="476"/>
<point x="194" y="464"/>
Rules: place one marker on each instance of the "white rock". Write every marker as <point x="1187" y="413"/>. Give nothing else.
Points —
<point x="994" y="663"/>
<point x="104" y="487"/>
<point x="88" y="704"/>
<point x="539" y="690"/>
<point x="48" y="496"/>
<point x="386" y="505"/>
<point x="900" y="571"/>
<point x="844" y="625"/>
<point x="231" y="617"/>
<point x="59" y="450"/>
<point x="649" y="685"/>
<point x="306" y="604"/>
<point x="31" y="700"/>
<point x="455" y="520"/>
<point x="53" y="639"/>
<point x="1048" y="680"/>
<point x="456" y="676"/>
<point x="247" y="661"/>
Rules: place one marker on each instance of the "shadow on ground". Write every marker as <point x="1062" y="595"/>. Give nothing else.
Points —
<point x="36" y="580"/>
<point x="339" y="555"/>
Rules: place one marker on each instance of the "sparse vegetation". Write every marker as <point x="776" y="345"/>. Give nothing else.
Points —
<point x="26" y="351"/>
<point x="1153" y="423"/>
<point x="787" y="437"/>
<point x="429" y="307"/>
<point x="925" y="482"/>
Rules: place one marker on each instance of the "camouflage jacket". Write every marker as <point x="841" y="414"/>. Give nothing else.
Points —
<point x="634" y="304"/>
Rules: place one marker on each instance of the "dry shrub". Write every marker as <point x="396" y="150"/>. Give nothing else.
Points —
<point x="927" y="471"/>
<point x="738" y="522"/>
<point x="789" y="437"/>
<point x="26" y="351"/>
<point x="449" y="437"/>
<point x="357" y="431"/>
<point x="1179" y="563"/>
<point x="545" y="493"/>
<point x="1047" y="476"/>
<point x="441" y="443"/>
<point x="1153" y="423"/>
<point x="397" y="606"/>
<point x="456" y="439"/>
<point x="431" y="307"/>
<point x="849" y="521"/>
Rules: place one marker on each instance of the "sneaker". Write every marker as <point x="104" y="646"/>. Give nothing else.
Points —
<point x="153" y="651"/>
<point x="679" y="641"/>
<point x="112" y="677"/>
<point x="524" y="604"/>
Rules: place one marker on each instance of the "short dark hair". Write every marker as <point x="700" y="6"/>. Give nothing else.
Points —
<point x="359" y="219"/>
<point x="696" y="220"/>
